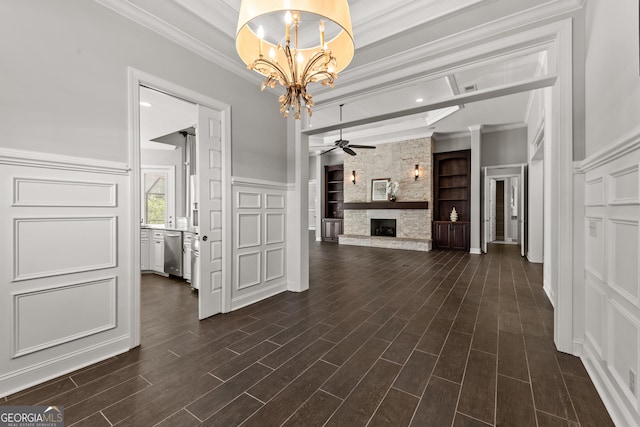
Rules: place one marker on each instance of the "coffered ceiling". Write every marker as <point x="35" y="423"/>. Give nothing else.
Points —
<point x="393" y="42"/>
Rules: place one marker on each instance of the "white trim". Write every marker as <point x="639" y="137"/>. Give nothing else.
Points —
<point x="56" y="161"/>
<point x="475" y="251"/>
<point x="500" y="128"/>
<point x="170" y="193"/>
<point x="261" y="183"/>
<point x="54" y="368"/>
<point x="258" y="295"/>
<point x="607" y="391"/>
<point x="549" y="292"/>
<point x="136" y="78"/>
<point x="624" y="145"/>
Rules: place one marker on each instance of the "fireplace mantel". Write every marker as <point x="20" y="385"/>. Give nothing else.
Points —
<point x="386" y="205"/>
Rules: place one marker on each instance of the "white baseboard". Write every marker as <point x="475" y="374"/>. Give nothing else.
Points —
<point x="613" y="401"/>
<point x="262" y="293"/>
<point x="475" y="251"/>
<point x="37" y="374"/>
<point x="550" y="295"/>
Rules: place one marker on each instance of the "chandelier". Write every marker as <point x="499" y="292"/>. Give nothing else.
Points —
<point x="284" y="40"/>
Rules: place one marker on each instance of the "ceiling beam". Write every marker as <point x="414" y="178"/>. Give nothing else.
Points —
<point x="480" y="95"/>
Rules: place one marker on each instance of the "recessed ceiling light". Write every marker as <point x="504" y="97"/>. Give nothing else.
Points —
<point x="419" y="100"/>
<point x="145" y="104"/>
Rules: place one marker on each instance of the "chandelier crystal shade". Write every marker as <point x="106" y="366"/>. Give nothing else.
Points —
<point x="294" y="43"/>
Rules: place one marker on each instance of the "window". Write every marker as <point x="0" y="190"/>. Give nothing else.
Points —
<point x="157" y="195"/>
<point x="155" y="198"/>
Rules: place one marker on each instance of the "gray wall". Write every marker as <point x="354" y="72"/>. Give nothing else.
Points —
<point x="64" y="87"/>
<point x="458" y="143"/>
<point x="612" y="95"/>
<point x="505" y="147"/>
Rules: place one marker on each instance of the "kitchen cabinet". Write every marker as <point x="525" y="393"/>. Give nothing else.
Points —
<point x="186" y="256"/>
<point x="331" y="229"/>
<point x="145" y="250"/>
<point x="157" y="254"/>
<point x="451" y="235"/>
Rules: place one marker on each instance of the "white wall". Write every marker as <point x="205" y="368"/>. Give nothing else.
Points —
<point x="611" y="348"/>
<point x="66" y="82"/>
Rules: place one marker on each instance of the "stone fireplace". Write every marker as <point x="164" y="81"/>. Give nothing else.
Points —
<point x="383" y="227"/>
<point x="410" y="214"/>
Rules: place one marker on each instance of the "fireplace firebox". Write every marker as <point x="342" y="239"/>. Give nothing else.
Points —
<point x="383" y="227"/>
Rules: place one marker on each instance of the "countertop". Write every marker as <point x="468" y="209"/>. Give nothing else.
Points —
<point x="162" y="227"/>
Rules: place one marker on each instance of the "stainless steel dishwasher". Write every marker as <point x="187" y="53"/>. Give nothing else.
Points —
<point x="173" y="252"/>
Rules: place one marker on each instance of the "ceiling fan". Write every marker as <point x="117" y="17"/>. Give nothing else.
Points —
<point x="344" y="144"/>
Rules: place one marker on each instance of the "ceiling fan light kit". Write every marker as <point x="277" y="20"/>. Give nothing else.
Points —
<point x="295" y="56"/>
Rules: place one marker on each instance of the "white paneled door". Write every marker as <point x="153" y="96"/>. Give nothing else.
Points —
<point x="209" y="167"/>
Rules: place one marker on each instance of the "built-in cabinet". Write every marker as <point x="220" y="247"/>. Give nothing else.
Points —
<point x="157" y="253"/>
<point x="331" y="229"/>
<point x="333" y="202"/>
<point x="186" y="256"/>
<point x="451" y="235"/>
<point x="451" y="189"/>
<point x="145" y="250"/>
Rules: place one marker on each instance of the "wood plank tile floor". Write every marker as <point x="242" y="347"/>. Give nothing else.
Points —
<point x="382" y="337"/>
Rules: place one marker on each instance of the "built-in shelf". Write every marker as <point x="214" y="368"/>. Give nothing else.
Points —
<point x="386" y="205"/>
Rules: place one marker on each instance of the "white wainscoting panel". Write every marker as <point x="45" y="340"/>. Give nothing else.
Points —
<point x="49" y="192"/>
<point x="625" y="185"/>
<point x="65" y="266"/>
<point x="247" y="200"/>
<point x="64" y="314"/>
<point x="249" y="270"/>
<point x="595" y="192"/>
<point x="90" y="244"/>
<point x="595" y="326"/>
<point x="248" y="230"/>
<point x="259" y="241"/>
<point x="274" y="201"/>
<point x="274" y="228"/>
<point x="595" y="244"/>
<point x="611" y="351"/>
<point x="623" y="258"/>
<point x="623" y="350"/>
<point x="274" y="264"/>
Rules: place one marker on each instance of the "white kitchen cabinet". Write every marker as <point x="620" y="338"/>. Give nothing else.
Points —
<point x="157" y="254"/>
<point x="186" y="256"/>
<point x="145" y="250"/>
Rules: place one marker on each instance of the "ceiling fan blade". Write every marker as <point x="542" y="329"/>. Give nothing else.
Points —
<point x="362" y="146"/>
<point x="349" y="151"/>
<point x="330" y="149"/>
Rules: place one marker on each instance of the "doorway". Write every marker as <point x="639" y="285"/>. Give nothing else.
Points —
<point x="504" y="204"/>
<point x="202" y="201"/>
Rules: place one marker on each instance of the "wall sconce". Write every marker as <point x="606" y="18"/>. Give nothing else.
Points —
<point x="353" y="177"/>
<point x="417" y="172"/>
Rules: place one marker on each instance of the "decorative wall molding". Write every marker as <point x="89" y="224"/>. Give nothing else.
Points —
<point x="625" y="341"/>
<point x="56" y="161"/>
<point x="595" y="191"/>
<point x="57" y="318"/>
<point x="619" y="148"/>
<point x="623" y="252"/>
<point x="36" y="239"/>
<point x="625" y="186"/>
<point x="261" y="184"/>
<point x="249" y="269"/>
<point x="50" y="193"/>
<point x="248" y="200"/>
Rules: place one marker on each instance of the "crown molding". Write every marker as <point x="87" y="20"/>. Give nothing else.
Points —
<point x="169" y="31"/>
<point x="442" y="52"/>
<point x="380" y="27"/>
<point x="502" y="127"/>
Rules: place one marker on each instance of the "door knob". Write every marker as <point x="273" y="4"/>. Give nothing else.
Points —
<point x="205" y="238"/>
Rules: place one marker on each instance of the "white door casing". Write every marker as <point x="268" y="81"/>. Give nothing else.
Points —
<point x="210" y="207"/>
<point x="522" y="209"/>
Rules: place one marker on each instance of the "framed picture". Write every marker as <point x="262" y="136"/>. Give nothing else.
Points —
<point x="379" y="189"/>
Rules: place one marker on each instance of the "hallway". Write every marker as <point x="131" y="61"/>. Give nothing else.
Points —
<point x="382" y="337"/>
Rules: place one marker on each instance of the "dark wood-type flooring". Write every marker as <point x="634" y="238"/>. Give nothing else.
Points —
<point x="383" y="337"/>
